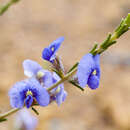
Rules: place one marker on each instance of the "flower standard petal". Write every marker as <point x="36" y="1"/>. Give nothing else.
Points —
<point x="31" y="68"/>
<point x="49" y="53"/>
<point x="85" y="68"/>
<point x="56" y="45"/>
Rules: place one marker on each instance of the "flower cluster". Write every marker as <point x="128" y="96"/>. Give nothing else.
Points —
<point x="34" y="89"/>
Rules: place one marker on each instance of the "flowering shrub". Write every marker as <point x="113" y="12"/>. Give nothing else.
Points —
<point x="44" y="86"/>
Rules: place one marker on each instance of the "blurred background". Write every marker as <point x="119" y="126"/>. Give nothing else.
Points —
<point x="30" y="25"/>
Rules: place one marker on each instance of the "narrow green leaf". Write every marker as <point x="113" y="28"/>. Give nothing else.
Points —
<point x="36" y="104"/>
<point x="3" y="119"/>
<point x="4" y="8"/>
<point x="76" y="85"/>
<point x="35" y="111"/>
<point x="127" y="20"/>
<point x="74" y="66"/>
<point x="14" y="1"/>
<point x="94" y="48"/>
<point x="122" y="30"/>
<point x="105" y="43"/>
<point x="58" y="73"/>
<point x="111" y="43"/>
<point x="122" y="21"/>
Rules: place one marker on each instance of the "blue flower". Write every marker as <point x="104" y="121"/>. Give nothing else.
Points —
<point x="58" y="94"/>
<point x="25" y="120"/>
<point x="49" y="53"/>
<point x="28" y="92"/>
<point x="89" y="71"/>
<point x="33" y="69"/>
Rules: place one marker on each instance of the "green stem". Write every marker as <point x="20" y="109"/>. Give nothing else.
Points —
<point x="4" y="8"/>
<point x="113" y="37"/>
<point x="10" y="112"/>
<point x="101" y="50"/>
<point x="63" y="79"/>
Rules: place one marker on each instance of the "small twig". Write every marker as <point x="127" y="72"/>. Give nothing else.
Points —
<point x="5" y="7"/>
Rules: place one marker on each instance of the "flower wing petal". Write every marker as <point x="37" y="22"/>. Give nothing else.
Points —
<point x="42" y="97"/>
<point x="39" y="93"/>
<point x="17" y="95"/>
<point x="61" y="96"/>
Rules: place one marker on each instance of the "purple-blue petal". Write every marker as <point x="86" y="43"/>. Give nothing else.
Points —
<point x="61" y="96"/>
<point x="97" y="65"/>
<point x="96" y="59"/>
<point x="56" y="78"/>
<point x="31" y="68"/>
<point x="46" y="54"/>
<point x="47" y="78"/>
<point x="94" y="79"/>
<point x="93" y="82"/>
<point x="28" y="101"/>
<point x="64" y="96"/>
<point x="40" y="93"/>
<point x="42" y="97"/>
<point x="58" y="93"/>
<point x="49" y="53"/>
<point x="56" y="45"/>
<point x="24" y="119"/>
<point x="85" y="68"/>
<point x="17" y="95"/>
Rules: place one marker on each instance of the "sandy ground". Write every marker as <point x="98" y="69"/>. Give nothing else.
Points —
<point x="29" y="26"/>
